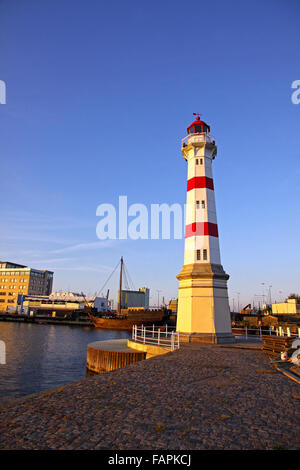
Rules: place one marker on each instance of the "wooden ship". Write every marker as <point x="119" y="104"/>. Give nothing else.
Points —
<point x="125" y="318"/>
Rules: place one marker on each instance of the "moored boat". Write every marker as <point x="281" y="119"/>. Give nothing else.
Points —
<point x="125" y="318"/>
<point x="146" y="318"/>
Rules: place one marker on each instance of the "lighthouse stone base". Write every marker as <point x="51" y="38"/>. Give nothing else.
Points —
<point x="203" y="308"/>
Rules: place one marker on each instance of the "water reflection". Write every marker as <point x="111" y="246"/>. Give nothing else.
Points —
<point x="39" y="357"/>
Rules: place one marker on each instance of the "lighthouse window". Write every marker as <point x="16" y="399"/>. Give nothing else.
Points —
<point x="197" y="204"/>
<point x="205" y="254"/>
<point x="201" y="161"/>
<point x="197" y="161"/>
<point x="192" y="130"/>
<point x="198" y="129"/>
<point x="198" y="255"/>
<point x="204" y="129"/>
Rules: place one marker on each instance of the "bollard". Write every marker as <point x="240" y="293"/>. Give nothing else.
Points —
<point x="288" y="331"/>
<point x="260" y="332"/>
<point x="284" y="356"/>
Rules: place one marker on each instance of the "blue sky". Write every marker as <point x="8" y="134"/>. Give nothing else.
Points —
<point x="99" y="96"/>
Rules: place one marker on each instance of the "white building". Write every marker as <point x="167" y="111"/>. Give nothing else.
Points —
<point x="102" y="304"/>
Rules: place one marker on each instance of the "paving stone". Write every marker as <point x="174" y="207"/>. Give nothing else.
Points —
<point x="200" y="397"/>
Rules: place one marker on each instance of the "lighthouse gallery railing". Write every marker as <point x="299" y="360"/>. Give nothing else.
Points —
<point x="199" y="137"/>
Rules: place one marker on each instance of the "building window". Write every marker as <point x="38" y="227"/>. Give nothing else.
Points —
<point x="203" y="204"/>
<point x="201" y="161"/>
<point x="205" y="255"/>
<point x="197" y="161"/>
<point x="197" y="204"/>
<point x="198" y="255"/>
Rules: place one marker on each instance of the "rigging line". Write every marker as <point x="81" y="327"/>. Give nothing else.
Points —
<point x="125" y="278"/>
<point x="109" y="278"/>
<point x="132" y="284"/>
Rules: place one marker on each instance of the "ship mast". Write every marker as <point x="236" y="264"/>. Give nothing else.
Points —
<point x="120" y="287"/>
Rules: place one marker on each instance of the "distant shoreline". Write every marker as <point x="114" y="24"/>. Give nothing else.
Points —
<point x="44" y="320"/>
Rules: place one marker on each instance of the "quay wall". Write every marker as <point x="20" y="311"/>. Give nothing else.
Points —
<point x="105" y="356"/>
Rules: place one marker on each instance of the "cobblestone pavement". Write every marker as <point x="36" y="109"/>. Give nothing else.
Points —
<point x="200" y="397"/>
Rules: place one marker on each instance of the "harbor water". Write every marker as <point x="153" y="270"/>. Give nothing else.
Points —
<point x="39" y="357"/>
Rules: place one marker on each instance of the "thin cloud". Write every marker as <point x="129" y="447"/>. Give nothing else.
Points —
<point x="86" y="246"/>
<point x="99" y="269"/>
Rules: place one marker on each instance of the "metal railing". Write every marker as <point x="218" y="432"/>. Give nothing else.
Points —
<point x="164" y="337"/>
<point x="252" y="332"/>
<point x="199" y="137"/>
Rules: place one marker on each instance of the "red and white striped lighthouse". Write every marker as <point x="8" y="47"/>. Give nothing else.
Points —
<point x="203" y="306"/>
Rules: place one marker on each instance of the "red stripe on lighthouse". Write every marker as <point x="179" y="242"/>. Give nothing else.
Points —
<point x="201" y="228"/>
<point x="200" y="182"/>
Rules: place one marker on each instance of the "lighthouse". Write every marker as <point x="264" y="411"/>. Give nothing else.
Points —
<point x="203" y="307"/>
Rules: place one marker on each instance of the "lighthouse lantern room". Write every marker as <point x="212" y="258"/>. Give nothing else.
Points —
<point x="203" y="306"/>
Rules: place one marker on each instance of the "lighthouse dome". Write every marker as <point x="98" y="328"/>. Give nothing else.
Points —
<point x="198" y="126"/>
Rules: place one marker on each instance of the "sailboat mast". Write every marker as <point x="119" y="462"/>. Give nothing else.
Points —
<point x="120" y="287"/>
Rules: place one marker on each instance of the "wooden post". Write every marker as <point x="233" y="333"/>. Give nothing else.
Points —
<point x="280" y="331"/>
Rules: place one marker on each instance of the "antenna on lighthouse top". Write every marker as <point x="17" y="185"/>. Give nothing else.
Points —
<point x="198" y="116"/>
